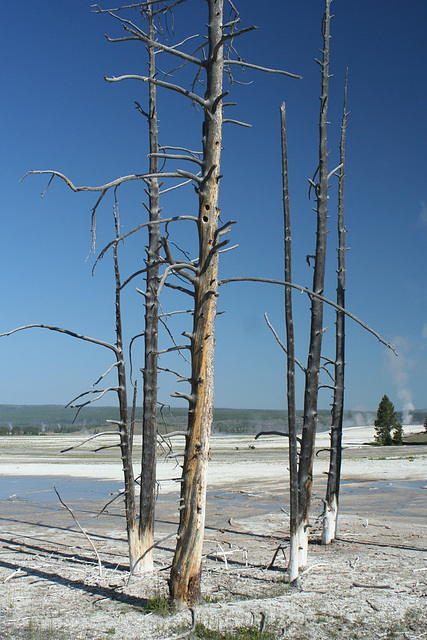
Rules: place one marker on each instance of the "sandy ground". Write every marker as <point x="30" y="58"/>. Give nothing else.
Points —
<point x="372" y="582"/>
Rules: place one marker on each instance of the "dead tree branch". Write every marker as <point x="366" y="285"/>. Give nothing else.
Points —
<point x="275" y="334"/>
<point x="311" y="293"/>
<point x="70" y="511"/>
<point x="67" y="332"/>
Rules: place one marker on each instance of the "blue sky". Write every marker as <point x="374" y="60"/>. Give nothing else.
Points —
<point x="59" y="113"/>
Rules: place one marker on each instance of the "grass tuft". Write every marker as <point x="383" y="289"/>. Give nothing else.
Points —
<point x="160" y="605"/>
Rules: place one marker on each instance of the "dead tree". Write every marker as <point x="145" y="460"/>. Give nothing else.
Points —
<point x="290" y="372"/>
<point x="124" y="424"/>
<point x="330" y="516"/>
<point x="149" y="414"/>
<point x="305" y="469"/>
<point x="185" y="579"/>
<point x="95" y="393"/>
<point x="300" y="499"/>
<point x="186" y="567"/>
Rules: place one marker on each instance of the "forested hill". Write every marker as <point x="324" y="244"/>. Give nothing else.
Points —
<point x="34" y="419"/>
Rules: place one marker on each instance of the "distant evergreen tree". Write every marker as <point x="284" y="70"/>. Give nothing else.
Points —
<point x="425" y="424"/>
<point x="397" y="437"/>
<point x="385" y="422"/>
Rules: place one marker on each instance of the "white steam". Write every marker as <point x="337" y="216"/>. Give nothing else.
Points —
<point x="398" y="367"/>
<point x="359" y="419"/>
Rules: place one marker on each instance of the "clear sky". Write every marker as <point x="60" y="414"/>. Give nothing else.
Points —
<point x="59" y="113"/>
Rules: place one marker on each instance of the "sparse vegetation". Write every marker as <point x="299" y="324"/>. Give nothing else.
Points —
<point x="34" y="631"/>
<point x="159" y="604"/>
<point x="240" y="633"/>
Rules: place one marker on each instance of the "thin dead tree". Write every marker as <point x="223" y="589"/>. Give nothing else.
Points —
<point x="95" y="393"/>
<point x="330" y="516"/>
<point x="149" y="414"/>
<point x="305" y="468"/>
<point x="124" y="424"/>
<point x="290" y="357"/>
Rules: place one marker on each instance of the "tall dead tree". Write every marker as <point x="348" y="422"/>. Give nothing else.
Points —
<point x="185" y="578"/>
<point x="330" y="516"/>
<point x="290" y="370"/>
<point x="149" y="414"/>
<point x="124" y="424"/>
<point x="305" y="469"/>
<point x="151" y="319"/>
<point x="187" y="565"/>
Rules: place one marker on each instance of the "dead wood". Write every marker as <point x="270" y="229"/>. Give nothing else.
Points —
<point x="70" y="511"/>
<point x="370" y="586"/>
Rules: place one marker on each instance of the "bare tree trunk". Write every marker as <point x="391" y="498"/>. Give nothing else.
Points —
<point x="186" y="567"/>
<point x="149" y="421"/>
<point x="330" y="516"/>
<point x="305" y="470"/>
<point x="290" y="353"/>
<point x="125" y="440"/>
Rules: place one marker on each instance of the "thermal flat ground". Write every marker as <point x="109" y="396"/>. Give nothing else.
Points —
<point x="372" y="582"/>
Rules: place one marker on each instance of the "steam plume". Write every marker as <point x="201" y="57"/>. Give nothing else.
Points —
<point x="398" y="367"/>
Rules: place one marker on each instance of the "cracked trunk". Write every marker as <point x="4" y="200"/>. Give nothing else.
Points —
<point x="186" y="567"/>
<point x="149" y="421"/>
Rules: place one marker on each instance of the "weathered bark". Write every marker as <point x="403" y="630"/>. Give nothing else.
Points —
<point x="186" y="567"/>
<point x="290" y="355"/>
<point x="330" y="516"/>
<point x="305" y="470"/>
<point x="125" y="440"/>
<point x="149" y="420"/>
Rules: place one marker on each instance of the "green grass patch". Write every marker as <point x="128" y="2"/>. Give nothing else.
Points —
<point x="160" y="605"/>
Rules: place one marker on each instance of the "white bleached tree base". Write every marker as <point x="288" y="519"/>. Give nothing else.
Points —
<point x="302" y="536"/>
<point x="146" y="561"/>
<point x="135" y="550"/>
<point x="293" y="566"/>
<point x="330" y="520"/>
